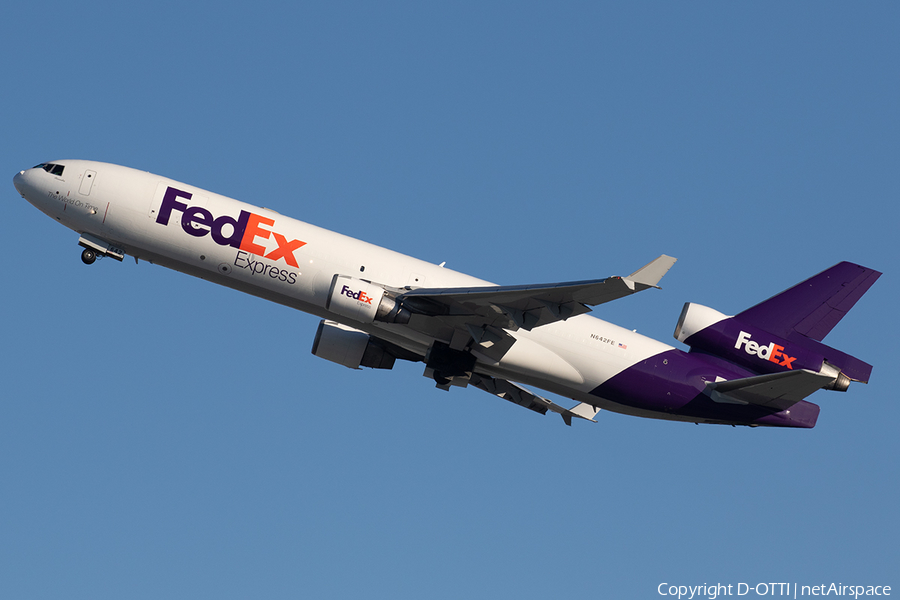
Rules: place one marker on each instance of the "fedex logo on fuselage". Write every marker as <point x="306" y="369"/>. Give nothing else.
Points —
<point x="360" y="295"/>
<point x="244" y="230"/>
<point x="772" y="353"/>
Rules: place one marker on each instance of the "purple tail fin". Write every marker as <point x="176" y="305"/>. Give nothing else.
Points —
<point x="807" y="312"/>
<point x="813" y="307"/>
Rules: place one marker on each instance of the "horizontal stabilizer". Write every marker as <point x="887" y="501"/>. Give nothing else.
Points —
<point x="775" y="390"/>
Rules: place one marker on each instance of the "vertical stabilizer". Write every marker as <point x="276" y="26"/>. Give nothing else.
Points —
<point x="813" y="307"/>
<point x="807" y="312"/>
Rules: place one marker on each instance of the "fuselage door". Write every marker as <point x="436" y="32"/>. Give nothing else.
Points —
<point x="87" y="181"/>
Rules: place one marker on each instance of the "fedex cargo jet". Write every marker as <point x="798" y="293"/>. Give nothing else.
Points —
<point x="377" y="306"/>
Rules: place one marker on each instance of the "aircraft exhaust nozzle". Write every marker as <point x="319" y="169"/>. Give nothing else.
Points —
<point x="841" y="382"/>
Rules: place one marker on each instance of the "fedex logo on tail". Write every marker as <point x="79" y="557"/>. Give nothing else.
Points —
<point x="772" y="353"/>
<point x="242" y="232"/>
<point x="360" y="295"/>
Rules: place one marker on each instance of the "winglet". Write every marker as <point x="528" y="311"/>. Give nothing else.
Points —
<point x="651" y="273"/>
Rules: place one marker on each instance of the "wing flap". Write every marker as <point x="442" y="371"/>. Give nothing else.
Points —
<point x="518" y="395"/>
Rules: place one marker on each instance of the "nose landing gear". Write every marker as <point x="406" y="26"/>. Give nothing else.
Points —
<point x="94" y="247"/>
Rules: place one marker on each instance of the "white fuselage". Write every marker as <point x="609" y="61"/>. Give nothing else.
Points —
<point x="293" y="263"/>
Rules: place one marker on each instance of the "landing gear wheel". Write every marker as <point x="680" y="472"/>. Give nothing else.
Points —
<point x="88" y="256"/>
<point x="440" y="379"/>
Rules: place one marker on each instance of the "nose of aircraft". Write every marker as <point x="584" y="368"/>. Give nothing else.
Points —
<point x="19" y="182"/>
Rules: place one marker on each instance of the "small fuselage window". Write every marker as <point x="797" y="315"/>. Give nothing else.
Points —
<point x="51" y="168"/>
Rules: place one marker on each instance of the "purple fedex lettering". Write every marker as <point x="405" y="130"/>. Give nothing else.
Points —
<point x="170" y="201"/>
<point x="237" y="226"/>
<point x="360" y="295"/>
<point x="198" y="221"/>
<point x="196" y="215"/>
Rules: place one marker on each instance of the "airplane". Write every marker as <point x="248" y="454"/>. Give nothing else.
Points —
<point x="377" y="306"/>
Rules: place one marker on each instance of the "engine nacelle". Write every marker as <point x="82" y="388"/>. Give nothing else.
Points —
<point x="364" y="301"/>
<point x="349" y="347"/>
<point x="694" y="318"/>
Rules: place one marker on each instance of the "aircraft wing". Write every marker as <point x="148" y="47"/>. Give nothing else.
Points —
<point x="519" y="395"/>
<point x="775" y="390"/>
<point x="530" y="306"/>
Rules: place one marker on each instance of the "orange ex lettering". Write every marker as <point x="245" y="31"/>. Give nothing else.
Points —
<point x="254" y="231"/>
<point x="285" y="249"/>
<point x="244" y="230"/>
<point x="780" y="358"/>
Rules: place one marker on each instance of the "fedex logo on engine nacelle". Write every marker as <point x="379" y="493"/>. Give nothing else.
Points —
<point x="772" y="352"/>
<point x="245" y="230"/>
<point x="360" y="295"/>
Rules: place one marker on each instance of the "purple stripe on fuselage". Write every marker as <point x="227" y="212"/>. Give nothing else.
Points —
<point x="674" y="382"/>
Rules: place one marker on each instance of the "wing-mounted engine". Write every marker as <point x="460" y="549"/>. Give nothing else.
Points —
<point x="364" y="301"/>
<point x="351" y="347"/>
<point x="708" y="331"/>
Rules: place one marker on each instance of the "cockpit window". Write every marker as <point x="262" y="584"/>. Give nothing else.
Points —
<point x="51" y="168"/>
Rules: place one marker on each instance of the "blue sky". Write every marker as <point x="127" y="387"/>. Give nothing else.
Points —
<point x="163" y="437"/>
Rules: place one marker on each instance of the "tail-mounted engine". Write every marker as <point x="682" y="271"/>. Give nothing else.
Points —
<point x="709" y="331"/>
<point x="364" y="301"/>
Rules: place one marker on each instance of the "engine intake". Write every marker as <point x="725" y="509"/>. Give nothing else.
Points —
<point x="694" y="318"/>
<point x="349" y="347"/>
